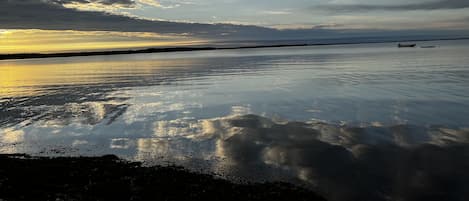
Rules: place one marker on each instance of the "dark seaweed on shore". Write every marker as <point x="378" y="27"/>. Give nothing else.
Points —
<point x="23" y="177"/>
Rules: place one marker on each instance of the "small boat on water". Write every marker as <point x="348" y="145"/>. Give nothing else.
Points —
<point x="406" y="45"/>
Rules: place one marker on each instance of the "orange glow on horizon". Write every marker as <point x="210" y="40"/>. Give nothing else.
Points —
<point x="48" y="41"/>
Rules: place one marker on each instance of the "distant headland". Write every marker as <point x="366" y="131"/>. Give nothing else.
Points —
<point x="187" y="49"/>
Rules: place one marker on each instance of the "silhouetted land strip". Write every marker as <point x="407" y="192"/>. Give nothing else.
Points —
<point x="149" y="50"/>
<point x="108" y="178"/>
<point x="183" y="49"/>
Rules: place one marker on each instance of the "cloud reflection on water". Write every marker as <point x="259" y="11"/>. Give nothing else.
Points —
<point x="350" y="163"/>
<point x="344" y="162"/>
<point x="341" y="161"/>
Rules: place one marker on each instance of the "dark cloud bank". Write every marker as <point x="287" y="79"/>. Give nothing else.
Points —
<point x="52" y="15"/>
<point x="122" y="3"/>
<point x="429" y="5"/>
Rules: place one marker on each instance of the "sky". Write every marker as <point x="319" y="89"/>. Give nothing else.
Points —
<point x="71" y="25"/>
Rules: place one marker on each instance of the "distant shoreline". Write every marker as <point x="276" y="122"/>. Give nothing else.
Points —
<point x="188" y="49"/>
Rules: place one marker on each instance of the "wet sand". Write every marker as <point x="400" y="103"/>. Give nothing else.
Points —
<point x="23" y="177"/>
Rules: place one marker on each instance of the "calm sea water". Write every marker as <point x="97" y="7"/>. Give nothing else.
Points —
<point x="367" y="122"/>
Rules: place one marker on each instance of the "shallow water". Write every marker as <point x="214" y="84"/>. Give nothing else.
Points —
<point x="367" y="121"/>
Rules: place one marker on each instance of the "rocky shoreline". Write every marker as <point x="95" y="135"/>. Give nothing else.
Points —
<point x="23" y="177"/>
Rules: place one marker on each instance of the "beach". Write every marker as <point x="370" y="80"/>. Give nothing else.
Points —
<point x="108" y="178"/>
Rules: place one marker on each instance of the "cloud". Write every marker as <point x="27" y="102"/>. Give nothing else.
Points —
<point x="150" y="2"/>
<point x="429" y="5"/>
<point x="103" y="15"/>
<point x="54" y="15"/>
<point x="157" y="4"/>
<point x="400" y="162"/>
<point x="95" y="4"/>
<point x="275" y="12"/>
<point x="103" y="2"/>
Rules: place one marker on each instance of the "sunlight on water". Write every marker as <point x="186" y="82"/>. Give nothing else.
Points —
<point x="37" y="76"/>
